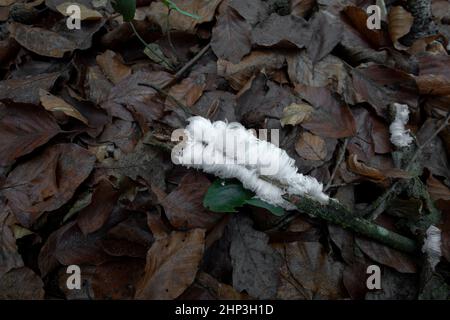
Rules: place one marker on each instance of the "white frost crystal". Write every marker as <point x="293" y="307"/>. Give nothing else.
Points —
<point x="229" y="150"/>
<point x="400" y="137"/>
<point x="432" y="245"/>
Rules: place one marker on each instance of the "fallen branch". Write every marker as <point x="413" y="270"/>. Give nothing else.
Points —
<point x="337" y="214"/>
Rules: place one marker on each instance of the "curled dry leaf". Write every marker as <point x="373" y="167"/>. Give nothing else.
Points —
<point x="55" y="104"/>
<point x="112" y="66"/>
<point x="311" y="147"/>
<point x="400" y="23"/>
<point x="360" y="168"/>
<point x="172" y="265"/>
<point x="85" y="12"/>
<point x="296" y="113"/>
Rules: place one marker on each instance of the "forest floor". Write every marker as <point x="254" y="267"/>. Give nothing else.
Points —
<point x="86" y="180"/>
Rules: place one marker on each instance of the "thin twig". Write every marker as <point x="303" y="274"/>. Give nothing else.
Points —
<point x="426" y="143"/>
<point x="188" y="65"/>
<point x="341" y="157"/>
<point x="169" y="96"/>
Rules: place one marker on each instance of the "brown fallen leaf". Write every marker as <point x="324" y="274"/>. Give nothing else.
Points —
<point x="239" y="74"/>
<point x="9" y="256"/>
<point x="386" y="255"/>
<point x="41" y="41"/>
<point x="434" y="74"/>
<point x="172" y="265"/>
<point x="437" y="190"/>
<point x="358" y="18"/>
<point x="23" y="128"/>
<point x="255" y="263"/>
<point x="188" y="91"/>
<point x="26" y="90"/>
<point x="47" y="181"/>
<point x="56" y="104"/>
<point x="184" y="205"/>
<point x="302" y="7"/>
<point x="331" y="117"/>
<point x="360" y="168"/>
<point x="117" y="280"/>
<point x="326" y="32"/>
<point x="282" y="31"/>
<point x="309" y="272"/>
<point x="231" y="38"/>
<point x="311" y="147"/>
<point x="93" y="217"/>
<point x="296" y="113"/>
<point x="400" y="22"/>
<point x="21" y="284"/>
<point x="112" y="66"/>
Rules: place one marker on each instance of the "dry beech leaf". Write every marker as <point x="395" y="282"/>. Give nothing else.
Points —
<point x="331" y="117"/>
<point x="400" y="23"/>
<point x="187" y="91"/>
<point x="23" y="128"/>
<point x="296" y="113"/>
<point x="172" y="265"/>
<point x="26" y="90"/>
<point x="282" y="31"/>
<point x="55" y="104"/>
<point x="302" y="7"/>
<point x="47" y="181"/>
<point x="358" y="18"/>
<point x="85" y="13"/>
<point x="386" y="255"/>
<point x="437" y="189"/>
<point x="21" y="284"/>
<point x="231" y="38"/>
<point x="112" y="66"/>
<point x="184" y="205"/>
<point x="41" y="41"/>
<point x="6" y="3"/>
<point x="239" y="74"/>
<point x="311" y="147"/>
<point x="360" y="168"/>
<point x="255" y="263"/>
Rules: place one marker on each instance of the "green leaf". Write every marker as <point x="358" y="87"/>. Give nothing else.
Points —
<point x="227" y="195"/>
<point x="261" y="204"/>
<point x="127" y="8"/>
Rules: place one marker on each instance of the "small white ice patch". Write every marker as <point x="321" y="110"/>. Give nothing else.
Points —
<point x="432" y="246"/>
<point x="400" y="136"/>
